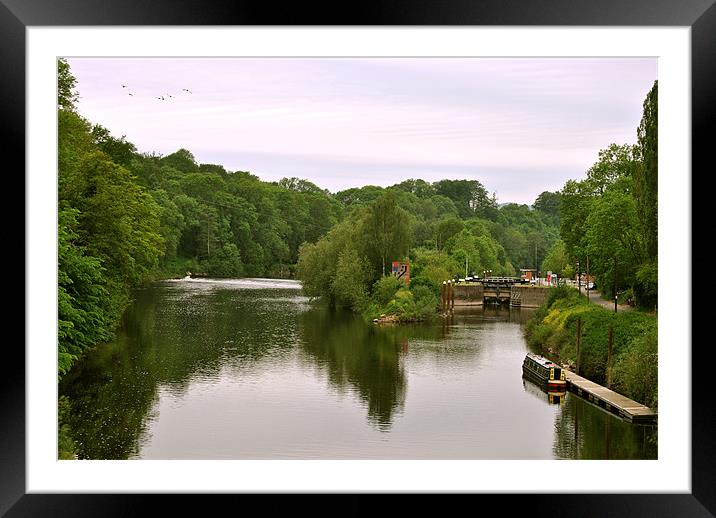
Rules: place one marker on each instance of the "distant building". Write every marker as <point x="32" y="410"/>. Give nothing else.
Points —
<point x="528" y="274"/>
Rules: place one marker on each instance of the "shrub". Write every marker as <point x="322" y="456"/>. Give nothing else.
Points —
<point x="66" y="447"/>
<point x="426" y="282"/>
<point x="426" y="301"/>
<point x="350" y="282"/>
<point x="635" y="371"/>
<point x="646" y="286"/>
<point x="385" y="288"/>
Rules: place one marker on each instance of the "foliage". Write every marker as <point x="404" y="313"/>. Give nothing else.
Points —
<point x="67" y="96"/>
<point x="408" y="304"/>
<point x="384" y="231"/>
<point x="432" y="265"/>
<point x="548" y="204"/>
<point x="646" y="285"/>
<point x="611" y="216"/>
<point x="226" y="262"/>
<point x="557" y="259"/>
<point x="66" y="446"/>
<point x="636" y="370"/>
<point x="646" y="175"/>
<point x="349" y="283"/>
<point x="469" y="196"/>
<point x="552" y="329"/>
<point x="385" y="289"/>
<point x="85" y="315"/>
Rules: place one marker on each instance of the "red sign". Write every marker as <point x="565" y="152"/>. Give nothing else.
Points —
<point x="401" y="270"/>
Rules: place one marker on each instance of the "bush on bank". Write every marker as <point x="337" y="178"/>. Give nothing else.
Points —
<point x="391" y="297"/>
<point x="552" y="330"/>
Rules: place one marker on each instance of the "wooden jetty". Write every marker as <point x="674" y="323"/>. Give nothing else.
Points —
<point x="619" y="405"/>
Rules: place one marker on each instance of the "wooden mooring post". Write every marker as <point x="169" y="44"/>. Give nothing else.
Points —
<point x="579" y="339"/>
<point x="609" y="357"/>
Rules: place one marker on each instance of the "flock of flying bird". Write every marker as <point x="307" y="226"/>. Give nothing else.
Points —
<point x="161" y="97"/>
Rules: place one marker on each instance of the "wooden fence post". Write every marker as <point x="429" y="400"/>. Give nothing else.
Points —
<point x="609" y="357"/>
<point x="579" y="339"/>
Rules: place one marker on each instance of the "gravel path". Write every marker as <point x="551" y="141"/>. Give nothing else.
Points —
<point x="596" y="298"/>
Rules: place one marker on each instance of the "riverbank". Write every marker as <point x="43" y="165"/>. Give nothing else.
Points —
<point x="628" y="365"/>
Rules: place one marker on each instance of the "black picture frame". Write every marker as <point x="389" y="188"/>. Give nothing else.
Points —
<point x="699" y="15"/>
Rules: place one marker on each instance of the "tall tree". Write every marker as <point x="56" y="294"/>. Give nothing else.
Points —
<point x="548" y="203"/>
<point x="386" y="230"/>
<point x="67" y="96"/>
<point x="469" y="196"/>
<point x="557" y="258"/>
<point x="646" y="175"/>
<point x="616" y="161"/>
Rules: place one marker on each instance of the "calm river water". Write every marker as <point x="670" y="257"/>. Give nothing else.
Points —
<point x="250" y="369"/>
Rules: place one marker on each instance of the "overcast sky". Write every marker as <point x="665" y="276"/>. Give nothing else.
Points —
<point x="519" y="126"/>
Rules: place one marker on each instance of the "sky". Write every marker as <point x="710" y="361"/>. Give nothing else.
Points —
<point x="520" y="126"/>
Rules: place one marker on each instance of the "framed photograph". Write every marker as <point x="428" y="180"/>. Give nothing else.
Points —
<point x="321" y="98"/>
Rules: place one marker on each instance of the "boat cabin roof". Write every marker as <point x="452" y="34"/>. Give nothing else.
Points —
<point x="541" y="360"/>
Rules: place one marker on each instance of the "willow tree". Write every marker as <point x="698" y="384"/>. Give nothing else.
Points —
<point x="386" y="230"/>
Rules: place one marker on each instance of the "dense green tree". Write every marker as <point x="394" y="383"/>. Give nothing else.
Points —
<point x="118" y="149"/>
<point x="646" y="175"/>
<point x="300" y="185"/>
<point x="119" y="220"/>
<point x="614" y="240"/>
<point x="84" y="313"/>
<point x="317" y="262"/>
<point x="67" y="96"/>
<point x="350" y="284"/>
<point x="574" y="209"/>
<point x="469" y="196"/>
<point x="182" y="160"/>
<point x="557" y="259"/>
<point x="614" y="162"/>
<point x="109" y="236"/>
<point x="548" y="203"/>
<point x="419" y="188"/>
<point x="463" y="248"/>
<point x="436" y="266"/>
<point x="386" y="232"/>
<point x="213" y="169"/>
<point x="359" y="195"/>
<point x="226" y="262"/>
<point x="171" y="223"/>
<point x="445" y="229"/>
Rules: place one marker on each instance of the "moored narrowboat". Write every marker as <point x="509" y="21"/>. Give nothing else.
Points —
<point x="544" y="372"/>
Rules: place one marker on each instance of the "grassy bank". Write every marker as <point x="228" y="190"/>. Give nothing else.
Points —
<point x="552" y="330"/>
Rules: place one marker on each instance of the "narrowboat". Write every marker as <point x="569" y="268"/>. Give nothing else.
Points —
<point x="545" y="373"/>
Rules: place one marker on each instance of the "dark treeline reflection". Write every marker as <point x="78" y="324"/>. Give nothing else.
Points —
<point x="363" y="356"/>
<point x="170" y="337"/>
<point x="583" y="431"/>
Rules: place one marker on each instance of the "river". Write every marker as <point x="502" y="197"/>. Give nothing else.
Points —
<point x="252" y="369"/>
